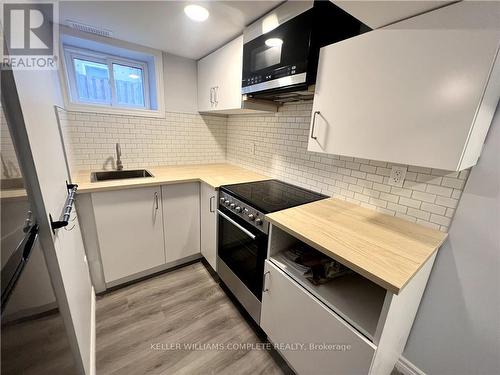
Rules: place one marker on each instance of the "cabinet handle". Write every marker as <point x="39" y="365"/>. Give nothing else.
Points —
<point x="212" y="96"/>
<point x="211" y="206"/>
<point x="156" y="200"/>
<point x="266" y="289"/>
<point x="314" y="122"/>
<point x="216" y="95"/>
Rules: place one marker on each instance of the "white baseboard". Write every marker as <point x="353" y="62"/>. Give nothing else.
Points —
<point x="407" y="368"/>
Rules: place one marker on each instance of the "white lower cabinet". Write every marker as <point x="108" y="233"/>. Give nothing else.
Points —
<point x="181" y="219"/>
<point x="290" y="315"/>
<point x="130" y="231"/>
<point x="208" y="208"/>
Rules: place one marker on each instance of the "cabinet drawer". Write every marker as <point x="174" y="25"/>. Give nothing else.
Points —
<point x="290" y="315"/>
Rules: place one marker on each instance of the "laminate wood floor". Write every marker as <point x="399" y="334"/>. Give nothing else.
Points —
<point x="139" y="326"/>
<point x="36" y="346"/>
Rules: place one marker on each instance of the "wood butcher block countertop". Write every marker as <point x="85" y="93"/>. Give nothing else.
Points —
<point x="214" y="175"/>
<point x="385" y="249"/>
<point x="13" y="194"/>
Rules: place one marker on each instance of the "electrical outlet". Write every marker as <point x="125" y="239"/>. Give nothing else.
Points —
<point x="397" y="177"/>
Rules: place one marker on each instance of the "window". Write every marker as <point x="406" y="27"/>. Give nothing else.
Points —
<point x="98" y="79"/>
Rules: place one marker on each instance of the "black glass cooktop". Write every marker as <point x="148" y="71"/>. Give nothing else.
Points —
<point x="271" y="195"/>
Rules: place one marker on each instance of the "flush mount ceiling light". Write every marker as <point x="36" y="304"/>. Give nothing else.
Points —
<point x="274" y="42"/>
<point x="196" y="12"/>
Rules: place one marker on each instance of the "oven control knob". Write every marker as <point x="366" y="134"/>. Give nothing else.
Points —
<point x="258" y="221"/>
<point x="226" y="202"/>
<point x="232" y="205"/>
<point x="222" y="200"/>
<point x="238" y="209"/>
<point x="251" y="217"/>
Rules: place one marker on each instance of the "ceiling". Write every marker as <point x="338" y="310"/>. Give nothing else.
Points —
<point x="378" y="13"/>
<point x="163" y="24"/>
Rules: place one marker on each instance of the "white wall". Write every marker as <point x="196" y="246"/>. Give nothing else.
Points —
<point x="179" y="74"/>
<point x="180" y="79"/>
<point x="457" y="328"/>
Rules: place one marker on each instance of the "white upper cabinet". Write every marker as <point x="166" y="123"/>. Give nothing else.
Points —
<point x="420" y="92"/>
<point x="219" y="82"/>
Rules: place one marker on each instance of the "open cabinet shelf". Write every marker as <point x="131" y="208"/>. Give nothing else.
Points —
<point x="356" y="299"/>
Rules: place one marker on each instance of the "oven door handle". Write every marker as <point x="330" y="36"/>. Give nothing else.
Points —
<point x="246" y="231"/>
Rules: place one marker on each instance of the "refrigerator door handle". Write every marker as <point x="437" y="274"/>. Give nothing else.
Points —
<point x="14" y="266"/>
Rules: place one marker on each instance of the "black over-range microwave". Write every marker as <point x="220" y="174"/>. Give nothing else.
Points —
<point x="281" y="50"/>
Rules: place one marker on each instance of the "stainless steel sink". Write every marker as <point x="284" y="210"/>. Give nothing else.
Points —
<point x="119" y="175"/>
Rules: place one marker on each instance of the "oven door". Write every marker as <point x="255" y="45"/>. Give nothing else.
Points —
<point x="243" y="249"/>
<point x="278" y="58"/>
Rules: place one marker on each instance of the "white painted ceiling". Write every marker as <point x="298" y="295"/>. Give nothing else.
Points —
<point x="163" y="24"/>
<point x="378" y="13"/>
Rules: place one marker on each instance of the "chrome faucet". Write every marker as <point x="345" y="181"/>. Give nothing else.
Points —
<point x="119" y="164"/>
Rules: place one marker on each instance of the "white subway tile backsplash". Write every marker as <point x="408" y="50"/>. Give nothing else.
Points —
<point x="447" y="202"/>
<point x="453" y="183"/>
<point x="397" y="207"/>
<point x="439" y="190"/>
<point x="273" y="144"/>
<point x="179" y="138"/>
<point x="368" y="168"/>
<point x="434" y="208"/>
<point x="381" y="187"/>
<point x="439" y="219"/>
<point x="424" y="197"/>
<point x="389" y="197"/>
<point x="401" y="192"/>
<point x="419" y="214"/>
<point x="429" y="179"/>
<point x="362" y="181"/>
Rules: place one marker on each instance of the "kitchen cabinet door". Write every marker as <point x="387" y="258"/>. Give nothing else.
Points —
<point x="420" y="92"/>
<point x="290" y="315"/>
<point x="229" y="69"/>
<point x="181" y="217"/>
<point x="209" y="224"/>
<point x="206" y="83"/>
<point x="219" y="78"/>
<point x="130" y="230"/>
<point x="219" y="83"/>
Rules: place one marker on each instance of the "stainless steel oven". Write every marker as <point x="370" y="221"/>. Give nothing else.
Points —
<point x="281" y="50"/>
<point x="243" y="234"/>
<point x="242" y="249"/>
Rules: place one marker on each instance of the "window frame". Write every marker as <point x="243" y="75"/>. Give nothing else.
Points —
<point x="71" y="53"/>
